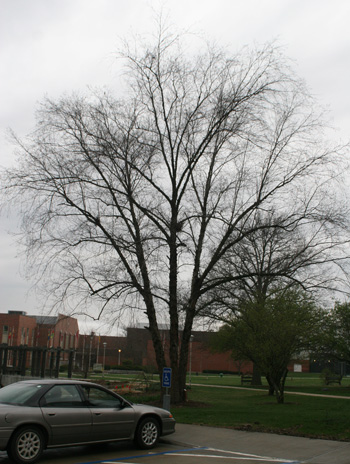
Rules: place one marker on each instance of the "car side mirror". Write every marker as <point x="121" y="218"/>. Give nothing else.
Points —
<point x="122" y="404"/>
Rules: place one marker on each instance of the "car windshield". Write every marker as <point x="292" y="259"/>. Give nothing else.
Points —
<point x="18" y="393"/>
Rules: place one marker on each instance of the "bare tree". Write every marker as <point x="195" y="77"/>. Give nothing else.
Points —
<point x="137" y="202"/>
<point x="306" y="252"/>
<point x="286" y="258"/>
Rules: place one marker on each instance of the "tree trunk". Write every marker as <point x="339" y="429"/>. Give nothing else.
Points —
<point x="256" y="380"/>
<point x="279" y="396"/>
<point x="176" y="396"/>
<point x="278" y="385"/>
<point x="271" y="386"/>
<point x="179" y="394"/>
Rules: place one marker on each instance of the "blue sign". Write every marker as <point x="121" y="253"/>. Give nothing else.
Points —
<point x="166" y="380"/>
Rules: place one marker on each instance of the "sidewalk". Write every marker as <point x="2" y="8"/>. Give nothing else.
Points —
<point x="299" y="450"/>
<point x="259" y="390"/>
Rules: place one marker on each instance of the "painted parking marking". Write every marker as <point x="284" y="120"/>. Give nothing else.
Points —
<point x="149" y="455"/>
<point x="234" y="455"/>
<point x="240" y="458"/>
<point x="255" y="456"/>
<point x="193" y="452"/>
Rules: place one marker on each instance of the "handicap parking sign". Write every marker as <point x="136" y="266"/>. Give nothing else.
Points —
<point x="166" y="380"/>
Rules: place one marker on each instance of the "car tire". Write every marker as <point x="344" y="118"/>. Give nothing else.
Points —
<point x="26" y="445"/>
<point x="147" y="433"/>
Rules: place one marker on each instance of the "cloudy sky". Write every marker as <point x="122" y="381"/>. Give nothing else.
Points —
<point x="52" y="47"/>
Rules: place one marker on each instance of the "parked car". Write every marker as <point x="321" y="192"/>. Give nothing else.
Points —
<point x="47" y="413"/>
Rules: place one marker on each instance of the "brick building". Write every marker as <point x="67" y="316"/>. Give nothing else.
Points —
<point x="57" y="331"/>
<point x="201" y="357"/>
<point x="17" y="328"/>
<point x="139" y="348"/>
<point x="105" y="350"/>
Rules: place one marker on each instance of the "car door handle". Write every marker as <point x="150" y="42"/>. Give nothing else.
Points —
<point x="97" y="413"/>
<point x="52" y="414"/>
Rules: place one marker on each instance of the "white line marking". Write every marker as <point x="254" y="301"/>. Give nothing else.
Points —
<point x="222" y="457"/>
<point x="241" y="458"/>
<point x="252" y="455"/>
<point x="237" y="455"/>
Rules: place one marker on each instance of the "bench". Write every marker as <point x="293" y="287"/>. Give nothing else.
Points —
<point x="246" y="379"/>
<point x="333" y="379"/>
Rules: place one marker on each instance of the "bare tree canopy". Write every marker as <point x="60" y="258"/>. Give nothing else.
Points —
<point x="307" y="253"/>
<point x="137" y="202"/>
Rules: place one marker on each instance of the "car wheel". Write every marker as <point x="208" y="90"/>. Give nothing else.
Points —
<point x="26" y="445"/>
<point x="147" y="433"/>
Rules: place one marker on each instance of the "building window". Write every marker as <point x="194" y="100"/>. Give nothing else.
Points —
<point x="23" y="336"/>
<point x="5" y="334"/>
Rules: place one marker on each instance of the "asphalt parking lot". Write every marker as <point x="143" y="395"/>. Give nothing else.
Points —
<point x="206" y="445"/>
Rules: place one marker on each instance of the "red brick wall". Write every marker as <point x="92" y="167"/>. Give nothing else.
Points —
<point x="61" y="334"/>
<point x="202" y="359"/>
<point x="15" y="324"/>
<point x="97" y="350"/>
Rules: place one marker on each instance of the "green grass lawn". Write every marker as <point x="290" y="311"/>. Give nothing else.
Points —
<point x="248" y="409"/>
<point x="252" y="410"/>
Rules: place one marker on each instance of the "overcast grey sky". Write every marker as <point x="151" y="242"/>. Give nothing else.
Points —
<point x="51" y="47"/>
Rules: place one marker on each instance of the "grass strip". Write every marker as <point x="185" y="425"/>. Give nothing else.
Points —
<point x="255" y="411"/>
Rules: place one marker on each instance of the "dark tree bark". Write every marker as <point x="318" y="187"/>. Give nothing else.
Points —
<point x="256" y="380"/>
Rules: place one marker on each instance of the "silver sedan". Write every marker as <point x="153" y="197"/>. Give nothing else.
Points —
<point x="39" y="414"/>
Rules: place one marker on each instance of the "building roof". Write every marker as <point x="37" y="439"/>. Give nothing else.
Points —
<point x="46" y="320"/>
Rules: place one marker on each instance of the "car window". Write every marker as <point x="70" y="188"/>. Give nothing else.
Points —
<point x="100" y="398"/>
<point x="62" y="396"/>
<point x="18" y="393"/>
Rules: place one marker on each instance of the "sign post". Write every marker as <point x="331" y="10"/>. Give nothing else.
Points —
<point x="166" y="383"/>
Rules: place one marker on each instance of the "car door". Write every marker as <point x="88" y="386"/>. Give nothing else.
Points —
<point x="111" y="418"/>
<point x="69" y="418"/>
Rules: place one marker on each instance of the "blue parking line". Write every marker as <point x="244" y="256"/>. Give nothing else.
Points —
<point x="150" y="455"/>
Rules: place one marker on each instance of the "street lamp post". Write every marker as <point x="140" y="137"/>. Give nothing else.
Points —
<point x="119" y="351"/>
<point x="104" y="356"/>
<point x="189" y="380"/>
<point x="90" y="348"/>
